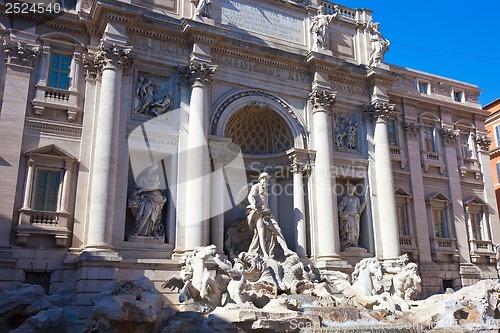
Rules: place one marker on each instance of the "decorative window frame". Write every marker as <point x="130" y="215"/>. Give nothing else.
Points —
<point x="467" y="164"/>
<point x="458" y="95"/>
<point x="56" y="223"/>
<point x="397" y="151"/>
<point x="54" y="98"/>
<point x="427" y="84"/>
<point x="443" y="249"/>
<point x="407" y="242"/>
<point x="431" y="158"/>
<point x="481" y="250"/>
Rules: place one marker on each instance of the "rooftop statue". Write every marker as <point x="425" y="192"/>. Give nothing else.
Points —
<point x="319" y="27"/>
<point x="380" y="45"/>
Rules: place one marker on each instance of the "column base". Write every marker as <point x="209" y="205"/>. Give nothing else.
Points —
<point x="332" y="263"/>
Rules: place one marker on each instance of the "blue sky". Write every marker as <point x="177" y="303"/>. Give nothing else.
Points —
<point x="455" y="39"/>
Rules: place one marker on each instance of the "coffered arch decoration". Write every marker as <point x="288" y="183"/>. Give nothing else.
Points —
<point x="247" y="117"/>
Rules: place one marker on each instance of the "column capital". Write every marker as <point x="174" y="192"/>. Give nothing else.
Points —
<point x="449" y="135"/>
<point x="112" y="56"/>
<point x="382" y="111"/>
<point x="412" y="128"/>
<point x="322" y="99"/>
<point x="300" y="160"/>
<point x="197" y="73"/>
<point x="483" y="142"/>
<point x="20" y="53"/>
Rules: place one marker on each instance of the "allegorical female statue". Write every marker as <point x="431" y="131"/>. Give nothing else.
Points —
<point x="146" y="202"/>
<point x="350" y="209"/>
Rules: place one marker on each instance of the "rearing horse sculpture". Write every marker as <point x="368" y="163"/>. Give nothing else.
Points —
<point x="364" y="292"/>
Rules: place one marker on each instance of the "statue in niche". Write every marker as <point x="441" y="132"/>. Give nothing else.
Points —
<point x="346" y="130"/>
<point x="147" y="100"/>
<point x="319" y="26"/>
<point x="380" y="45"/>
<point x="266" y="231"/>
<point x="202" y="8"/>
<point x="350" y="209"/>
<point x="146" y="202"/>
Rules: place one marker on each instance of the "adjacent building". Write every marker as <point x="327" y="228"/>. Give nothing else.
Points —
<point x="493" y="129"/>
<point x="203" y="97"/>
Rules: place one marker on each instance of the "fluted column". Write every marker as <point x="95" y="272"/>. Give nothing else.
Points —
<point x="198" y="171"/>
<point x="111" y="61"/>
<point x="327" y="240"/>
<point x="386" y="231"/>
<point x="298" y="168"/>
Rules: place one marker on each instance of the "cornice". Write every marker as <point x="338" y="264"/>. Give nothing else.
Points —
<point x="424" y="102"/>
<point x="57" y="128"/>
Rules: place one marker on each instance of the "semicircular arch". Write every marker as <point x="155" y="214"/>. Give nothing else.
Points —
<point x="235" y="101"/>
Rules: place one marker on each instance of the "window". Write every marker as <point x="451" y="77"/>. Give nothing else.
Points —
<point x="47" y="196"/>
<point x="458" y="96"/>
<point x="497" y="136"/>
<point x="466" y="146"/>
<point x="498" y="172"/>
<point x="59" y="71"/>
<point x="430" y="144"/>
<point x="47" y="190"/>
<point x="393" y="133"/>
<point x="402" y="212"/>
<point x="439" y="218"/>
<point x="68" y="4"/>
<point x="423" y="88"/>
<point x="476" y="225"/>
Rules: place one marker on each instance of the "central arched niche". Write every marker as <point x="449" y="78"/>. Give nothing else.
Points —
<point x="259" y="130"/>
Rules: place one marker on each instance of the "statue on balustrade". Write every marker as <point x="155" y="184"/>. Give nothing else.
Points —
<point x="350" y="209"/>
<point x="266" y="230"/>
<point x="380" y="45"/>
<point x="202" y="8"/>
<point x="146" y="202"/>
<point x="319" y="27"/>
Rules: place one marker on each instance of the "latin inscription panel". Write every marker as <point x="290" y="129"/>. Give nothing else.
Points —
<point x="262" y="21"/>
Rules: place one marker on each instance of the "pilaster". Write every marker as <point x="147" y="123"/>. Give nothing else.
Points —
<point x="457" y="217"/>
<point x="20" y="58"/>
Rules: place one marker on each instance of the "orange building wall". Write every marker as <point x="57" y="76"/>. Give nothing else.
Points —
<point x="492" y="121"/>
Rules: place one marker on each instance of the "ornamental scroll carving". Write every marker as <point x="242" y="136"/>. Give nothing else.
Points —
<point x="197" y="73"/>
<point x="20" y="53"/>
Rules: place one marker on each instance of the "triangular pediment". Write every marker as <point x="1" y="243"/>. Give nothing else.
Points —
<point x="402" y="193"/>
<point x="475" y="200"/>
<point x="49" y="151"/>
<point x="438" y="197"/>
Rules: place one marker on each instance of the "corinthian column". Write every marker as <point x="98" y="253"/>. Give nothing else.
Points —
<point x="197" y="199"/>
<point x="110" y="62"/>
<point x="298" y="167"/>
<point x="327" y="240"/>
<point x="386" y="230"/>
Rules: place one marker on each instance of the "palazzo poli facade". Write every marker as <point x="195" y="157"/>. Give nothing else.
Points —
<point x="91" y="98"/>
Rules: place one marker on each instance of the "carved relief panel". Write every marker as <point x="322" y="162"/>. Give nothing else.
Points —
<point x="152" y="96"/>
